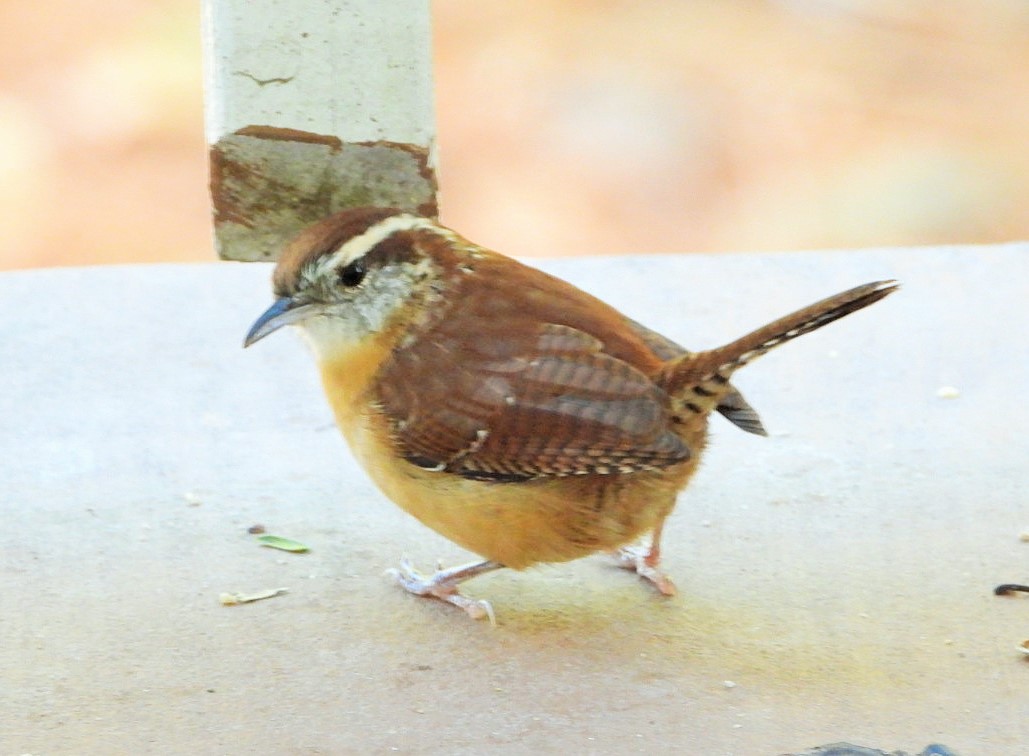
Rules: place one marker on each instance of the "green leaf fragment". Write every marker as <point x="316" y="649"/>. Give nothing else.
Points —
<point x="283" y="544"/>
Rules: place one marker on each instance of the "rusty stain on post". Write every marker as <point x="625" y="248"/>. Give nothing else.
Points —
<point x="314" y="110"/>
<point x="268" y="182"/>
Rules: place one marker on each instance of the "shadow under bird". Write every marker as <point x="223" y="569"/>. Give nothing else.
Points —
<point x="520" y="417"/>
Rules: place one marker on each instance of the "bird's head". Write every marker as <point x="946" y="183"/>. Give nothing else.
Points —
<point x="356" y="273"/>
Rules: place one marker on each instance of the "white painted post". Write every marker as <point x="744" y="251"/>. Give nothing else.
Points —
<point x="313" y="106"/>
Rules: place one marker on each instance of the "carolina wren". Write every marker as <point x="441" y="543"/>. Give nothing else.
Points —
<point x="520" y="417"/>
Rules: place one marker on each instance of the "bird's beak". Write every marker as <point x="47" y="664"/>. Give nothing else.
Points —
<point x="283" y="312"/>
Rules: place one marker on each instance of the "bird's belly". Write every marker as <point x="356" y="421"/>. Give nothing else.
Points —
<point x="518" y="523"/>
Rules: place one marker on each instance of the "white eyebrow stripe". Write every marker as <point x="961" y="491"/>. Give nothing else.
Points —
<point x="358" y="246"/>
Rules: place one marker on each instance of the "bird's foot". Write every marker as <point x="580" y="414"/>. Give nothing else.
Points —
<point x="643" y="561"/>
<point x="443" y="585"/>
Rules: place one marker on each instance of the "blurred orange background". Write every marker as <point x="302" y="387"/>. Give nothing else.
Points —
<point x="564" y="128"/>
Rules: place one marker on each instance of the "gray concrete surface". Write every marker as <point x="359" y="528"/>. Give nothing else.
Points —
<point x="835" y="578"/>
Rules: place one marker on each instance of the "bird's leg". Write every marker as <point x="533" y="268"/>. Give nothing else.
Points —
<point x="644" y="560"/>
<point x="443" y="585"/>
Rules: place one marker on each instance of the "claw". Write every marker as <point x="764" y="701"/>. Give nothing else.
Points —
<point x="643" y="562"/>
<point x="443" y="585"/>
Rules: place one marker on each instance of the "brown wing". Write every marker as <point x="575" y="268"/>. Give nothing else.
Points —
<point x="663" y="347"/>
<point x="510" y="402"/>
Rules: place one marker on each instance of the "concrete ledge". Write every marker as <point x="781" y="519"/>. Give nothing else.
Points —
<point x="838" y="573"/>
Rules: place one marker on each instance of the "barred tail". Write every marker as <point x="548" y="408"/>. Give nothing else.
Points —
<point x="701" y="379"/>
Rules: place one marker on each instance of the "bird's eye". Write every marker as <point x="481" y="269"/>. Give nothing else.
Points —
<point x="353" y="274"/>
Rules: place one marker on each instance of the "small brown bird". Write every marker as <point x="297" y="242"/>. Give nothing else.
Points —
<point x="520" y="417"/>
